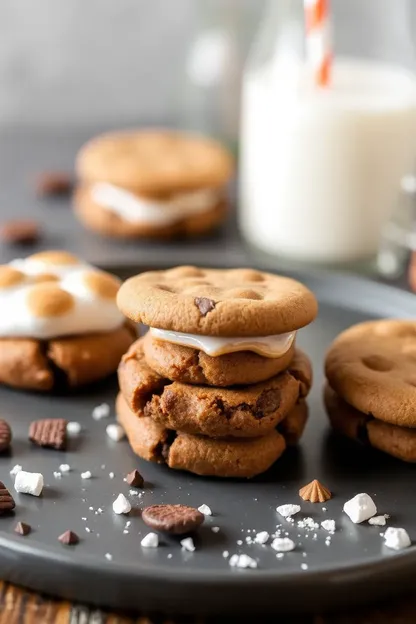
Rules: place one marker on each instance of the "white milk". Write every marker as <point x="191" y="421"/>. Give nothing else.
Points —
<point x="321" y="169"/>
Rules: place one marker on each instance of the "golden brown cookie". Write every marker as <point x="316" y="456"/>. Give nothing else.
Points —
<point x="246" y="411"/>
<point x="155" y="162"/>
<point x="293" y="426"/>
<point x="400" y="442"/>
<point x="63" y="362"/>
<point x="217" y="302"/>
<point x="109" y="223"/>
<point x="244" y="458"/>
<point x="372" y="366"/>
<point x="192" y="366"/>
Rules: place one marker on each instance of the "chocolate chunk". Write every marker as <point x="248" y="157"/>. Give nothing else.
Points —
<point x="268" y="402"/>
<point x="22" y="528"/>
<point x="51" y="183"/>
<point x="68" y="538"/>
<point x="204" y="305"/>
<point x="174" y="519"/>
<point x="19" y="231"/>
<point x="135" y="479"/>
<point x="5" y="435"/>
<point x="49" y="433"/>
<point x="6" y="499"/>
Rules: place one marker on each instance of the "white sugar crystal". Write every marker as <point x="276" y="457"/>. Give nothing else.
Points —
<point x="288" y="510"/>
<point x="378" y="521"/>
<point x="111" y="475"/>
<point x="242" y="561"/>
<point x="73" y="428"/>
<point x="29" y="483"/>
<point x="101" y="411"/>
<point x="109" y="556"/>
<point x="283" y="544"/>
<point x="397" y="539"/>
<point x="121" y="505"/>
<point x="57" y="475"/>
<point x="360" y="508"/>
<point x="65" y="468"/>
<point x="204" y="509"/>
<point x="17" y="468"/>
<point x="262" y="537"/>
<point x="86" y="475"/>
<point x="115" y="432"/>
<point x="304" y="566"/>
<point x="328" y="525"/>
<point x="188" y="544"/>
<point x="151" y="540"/>
<point x="225" y="554"/>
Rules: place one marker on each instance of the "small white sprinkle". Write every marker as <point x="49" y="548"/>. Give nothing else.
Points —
<point x="304" y="566"/>
<point x="151" y="540"/>
<point x="239" y="542"/>
<point x="188" y="544"/>
<point x="307" y="523"/>
<point x="215" y="529"/>
<point x="57" y="475"/>
<point x="101" y="411"/>
<point x="73" y="428"/>
<point x="83" y="518"/>
<point x="204" y="509"/>
<point x="360" y="508"/>
<point x="88" y="530"/>
<point x="17" y="468"/>
<point x="109" y="556"/>
<point x="128" y="523"/>
<point x="121" y="505"/>
<point x="225" y="554"/>
<point x="65" y="468"/>
<point x="115" y="432"/>
<point x="323" y="508"/>
<point x="377" y="521"/>
<point x="86" y="475"/>
<point x="242" y="561"/>
<point x="328" y="525"/>
<point x="169" y="556"/>
<point x="283" y="544"/>
<point x="111" y="475"/>
<point x="397" y="539"/>
<point x="288" y="510"/>
<point x="91" y="508"/>
<point x="262" y="537"/>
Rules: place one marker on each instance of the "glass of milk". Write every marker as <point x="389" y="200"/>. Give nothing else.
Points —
<point x="321" y="166"/>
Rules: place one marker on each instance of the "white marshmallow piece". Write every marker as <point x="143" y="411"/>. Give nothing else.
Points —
<point x="288" y="510"/>
<point x="283" y="544"/>
<point x="121" y="505"/>
<point x="151" y="540"/>
<point x="397" y="539"/>
<point x="115" y="432"/>
<point x="29" y="483"/>
<point x="188" y="544"/>
<point x="360" y="508"/>
<point x="242" y="561"/>
<point x="204" y="509"/>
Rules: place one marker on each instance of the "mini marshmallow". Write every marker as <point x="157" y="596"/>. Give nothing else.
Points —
<point x="115" y="432"/>
<point x="101" y="411"/>
<point x="261" y="537"/>
<point x="29" y="483"/>
<point x="328" y="525"/>
<point x="121" y="505"/>
<point x="360" y="508"/>
<point x="73" y="428"/>
<point x="283" y="544"/>
<point x="378" y="521"/>
<point x="188" y="544"/>
<point x="17" y="468"/>
<point x="397" y="539"/>
<point x="204" y="509"/>
<point x="242" y="561"/>
<point x="288" y="510"/>
<point x="151" y="540"/>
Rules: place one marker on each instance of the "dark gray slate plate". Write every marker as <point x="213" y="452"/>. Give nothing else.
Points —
<point x="355" y="567"/>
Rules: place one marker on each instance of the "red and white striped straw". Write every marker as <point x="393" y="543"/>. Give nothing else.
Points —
<point x="318" y="40"/>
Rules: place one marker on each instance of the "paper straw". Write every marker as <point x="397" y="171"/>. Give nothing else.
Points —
<point x="318" y="40"/>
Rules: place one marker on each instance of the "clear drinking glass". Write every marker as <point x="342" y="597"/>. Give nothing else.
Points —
<point x="321" y="166"/>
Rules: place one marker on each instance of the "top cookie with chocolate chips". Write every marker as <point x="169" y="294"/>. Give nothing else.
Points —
<point x="217" y="302"/>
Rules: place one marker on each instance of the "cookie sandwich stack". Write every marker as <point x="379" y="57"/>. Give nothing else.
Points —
<point x="152" y="184"/>
<point x="59" y="323"/>
<point x="216" y="386"/>
<point x="371" y="391"/>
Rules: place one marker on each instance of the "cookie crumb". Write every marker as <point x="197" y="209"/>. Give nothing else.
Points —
<point x="73" y="428"/>
<point x="397" y="539"/>
<point x="151" y="540"/>
<point x="86" y="475"/>
<point x="204" y="509"/>
<point x="242" y="561"/>
<point x="288" y="510"/>
<point x="121" y="505"/>
<point x="328" y="525"/>
<point x="283" y="544"/>
<point x="188" y="544"/>
<point x="377" y="521"/>
<point x="115" y="432"/>
<point x="360" y="508"/>
<point x="101" y="411"/>
<point x="262" y="537"/>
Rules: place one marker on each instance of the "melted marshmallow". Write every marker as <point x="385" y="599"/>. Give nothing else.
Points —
<point x="89" y="312"/>
<point x="135" y="209"/>
<point x="267" y="346"/>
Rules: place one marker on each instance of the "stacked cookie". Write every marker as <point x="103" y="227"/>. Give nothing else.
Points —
<point x="371" y="390"/>
<point x="217" y="386"/>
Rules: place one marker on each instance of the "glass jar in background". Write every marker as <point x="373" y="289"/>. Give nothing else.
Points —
<point x="321" y="166"/>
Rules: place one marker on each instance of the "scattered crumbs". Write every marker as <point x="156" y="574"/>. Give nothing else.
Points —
<point x="108" y="556"/>
<point x="169" y="556"/>
<point x="378" y="520"/>
<point x="242" y="561"/>
<point x="73" y="428"/>
<point x="17" y="468"/>
<point x="239" y="542"/>
<point x="262" y="537"/>
<point x="288" y="510"/>
<point x="57" y="474"/>
<point x="304" y="566"/>
<point x="225" y="554"/>
<point x="111" y="475"/>
<point x="86" y="475"/>
<point x="215" y="529"/>
<point x="188" y="544"/>
<point x="151" y="540"/>
<point x="308" y="523"/>
<point x="204" y="509"/>
<point x="328" y="525"/>
<point x="101" y="411"/>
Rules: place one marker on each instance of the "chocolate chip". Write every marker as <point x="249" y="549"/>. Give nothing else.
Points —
<point x="204" y="305"/>
<point x="135" y="479"/>
<point x="51" y="183"/>
<point x="69" y="538"/>
<point x="49" y="433"/>
<point x="6" y="499"/>
<point x="5" y="435"/>
<point x="22" y="528"/>
<point x="174" y="519"/>
<point x="19" y="231"/>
